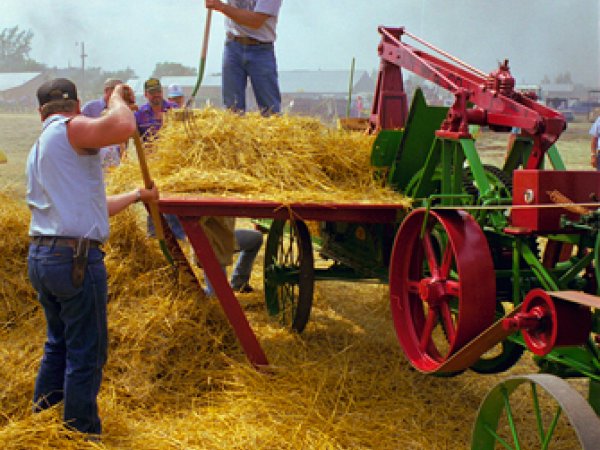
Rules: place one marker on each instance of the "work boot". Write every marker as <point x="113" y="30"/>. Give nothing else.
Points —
<point x="245" y="289"/>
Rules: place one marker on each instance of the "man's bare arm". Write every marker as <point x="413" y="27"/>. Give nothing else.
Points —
<point x="117" y="203"/>
<point x="112" y="128"/>
<point x="243" y="17"/>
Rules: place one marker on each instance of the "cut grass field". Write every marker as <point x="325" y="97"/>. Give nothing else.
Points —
<point x="17" y="134"/>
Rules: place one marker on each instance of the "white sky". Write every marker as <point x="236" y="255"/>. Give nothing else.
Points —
<point x="538" y="36"/>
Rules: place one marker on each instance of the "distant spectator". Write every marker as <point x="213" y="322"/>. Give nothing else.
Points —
<point x="111" y="155"/>
<point x="357" y="107"/>
<point x="175" y="95"/>
<point x="94" y="108"/>
<point x="149" y="119"/>
<point x="595" y="144"/>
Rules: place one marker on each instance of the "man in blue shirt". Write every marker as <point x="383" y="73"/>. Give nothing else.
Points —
<point x="69" y="223"/>
<point x="149" y="117"/>
<point x="250" y="53"/>
<point x="94" y="108"/>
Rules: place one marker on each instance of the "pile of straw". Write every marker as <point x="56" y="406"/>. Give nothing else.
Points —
<point x="285" y="158"/>
<point x="176" y="377"/>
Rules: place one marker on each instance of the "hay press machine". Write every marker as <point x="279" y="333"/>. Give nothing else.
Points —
<point x="487" y="263"/>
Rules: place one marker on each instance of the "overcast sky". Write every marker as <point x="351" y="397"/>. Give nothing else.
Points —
<point x="538" y="36"/>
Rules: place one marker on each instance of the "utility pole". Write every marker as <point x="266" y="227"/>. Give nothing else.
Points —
<point x="83" y="56"/>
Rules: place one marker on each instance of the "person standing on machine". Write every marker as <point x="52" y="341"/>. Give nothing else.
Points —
<point x="250" y="53"/>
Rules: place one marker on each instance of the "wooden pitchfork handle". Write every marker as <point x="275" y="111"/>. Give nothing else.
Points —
<point x="152" y="206"/>
<point x="202" y="58"/>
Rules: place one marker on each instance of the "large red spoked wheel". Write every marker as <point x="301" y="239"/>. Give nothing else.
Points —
<point x="442" y="285"/>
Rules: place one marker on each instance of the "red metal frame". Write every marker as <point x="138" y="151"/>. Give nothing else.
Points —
<point x="497" y="103"/>
<point x="535" y="187"/>
<point x="190" y="210"/>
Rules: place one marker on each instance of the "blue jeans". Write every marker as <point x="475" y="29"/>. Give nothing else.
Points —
<point x="258" y="63"/>
<point x="172" y="222"/>
<point x="77" y="338"/>
<point x="249" y="243"/>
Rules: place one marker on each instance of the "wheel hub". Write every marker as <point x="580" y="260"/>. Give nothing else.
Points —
<point x="432" y="290"/>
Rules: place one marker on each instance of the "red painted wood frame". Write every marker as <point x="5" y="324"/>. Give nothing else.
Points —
<point x="190" y="210"/>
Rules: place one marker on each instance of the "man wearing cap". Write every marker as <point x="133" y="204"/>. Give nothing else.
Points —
<point x="149" y="117"/>
<point x="175" y="95"/>
<point x="94" y="108"/>
<point x="69" y="223"/>
<point x="111" y="155"/>
<point x="250" y="53"/>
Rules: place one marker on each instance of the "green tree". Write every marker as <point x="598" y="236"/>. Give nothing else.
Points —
<point x="15" y="46"/>
<point x="124" y="74"/>
<point x="166" y="69"/>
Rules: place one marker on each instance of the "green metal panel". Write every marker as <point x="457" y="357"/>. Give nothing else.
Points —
<point x="424" y="182"/>
<point x="417" y="140"/>
<point x="385" y="148"/>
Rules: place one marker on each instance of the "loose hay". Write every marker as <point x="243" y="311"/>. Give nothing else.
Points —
<point x="176" y="377"/>
<point x="283" y="158"/>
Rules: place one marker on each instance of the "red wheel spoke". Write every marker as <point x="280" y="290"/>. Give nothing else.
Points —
<point x="447" y="259"/>
<point x="453" y="288"/>
<point x="430" y="255"/>
<point x="446" y="316"/>
<point x="430" y="322"/>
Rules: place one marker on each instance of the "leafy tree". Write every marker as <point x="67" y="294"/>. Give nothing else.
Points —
<point x="166" y="69"/>
<point x="15" y="46"/>
<point x="564" y="77"/>
<point x="124" y="74"/>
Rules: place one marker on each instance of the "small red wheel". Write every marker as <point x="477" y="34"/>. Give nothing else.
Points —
<point x="442" y="285"/>
<point x="548" y="322"/>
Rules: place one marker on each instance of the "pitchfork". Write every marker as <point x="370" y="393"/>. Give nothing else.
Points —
<point x="187" y="115"/>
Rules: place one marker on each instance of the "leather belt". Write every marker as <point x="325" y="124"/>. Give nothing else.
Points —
<point x="245" y="40"/>
<point x="59" y="241"/>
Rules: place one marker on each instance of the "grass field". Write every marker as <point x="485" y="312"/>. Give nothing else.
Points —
<point x="17" y="133"/>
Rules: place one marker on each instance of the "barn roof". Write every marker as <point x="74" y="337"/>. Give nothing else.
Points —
<point x="10" y="80"/>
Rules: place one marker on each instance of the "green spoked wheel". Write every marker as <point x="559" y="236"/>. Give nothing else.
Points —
<point x="289" y="273"/>
<point x="535" y="412"/>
